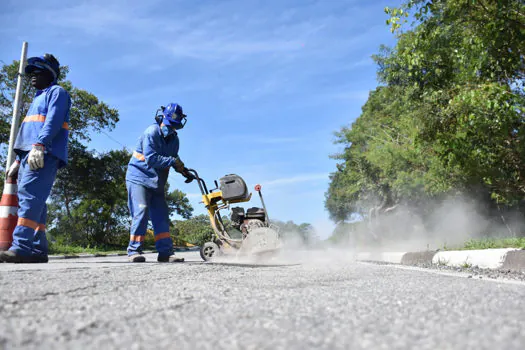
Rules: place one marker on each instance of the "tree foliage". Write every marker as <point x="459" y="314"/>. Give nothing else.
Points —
<point x="88" y="114"/>
<point x="93" y="198"/>
<point x="303" y="233"/>
<point x="196" y="230"/>
<point x="448" y="117"/>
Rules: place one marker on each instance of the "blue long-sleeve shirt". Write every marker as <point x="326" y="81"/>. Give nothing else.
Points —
<point x="47" y="123"/>
<point x="154" y="155"/>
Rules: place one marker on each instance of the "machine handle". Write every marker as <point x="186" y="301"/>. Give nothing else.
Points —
<point x="202" y="184"/>
<point x="258" y="189"/>
<point x="189" y="176"/>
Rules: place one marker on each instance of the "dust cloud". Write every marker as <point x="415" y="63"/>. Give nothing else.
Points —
<point x="445" y="224"/>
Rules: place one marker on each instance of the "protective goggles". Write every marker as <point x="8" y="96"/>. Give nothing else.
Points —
<point x="176" y="120"/>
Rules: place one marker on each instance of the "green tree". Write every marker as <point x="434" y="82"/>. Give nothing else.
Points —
<point x="87" y="112"/>
<point x="94" y="193"/>
<point x="448" y="118"/>
<point x="196" y="230"/>
<point x="178" y="203"/>
<point x="466" y="59"/>
<point x="289" y="230"/>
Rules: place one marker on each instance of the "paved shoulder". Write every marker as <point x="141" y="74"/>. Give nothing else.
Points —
<point x="325" y="302"/>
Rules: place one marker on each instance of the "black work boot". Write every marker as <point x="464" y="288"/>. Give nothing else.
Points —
<point x="169" y="258"/>
<point x="137" y="258"/>
<point x="12" y="257"/>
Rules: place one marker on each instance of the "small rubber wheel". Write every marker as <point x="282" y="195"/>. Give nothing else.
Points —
<point x="209" y="250"/>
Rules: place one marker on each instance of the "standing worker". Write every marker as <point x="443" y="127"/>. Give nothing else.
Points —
<point x="156" y="152"/>
<point x="41" y="149"/>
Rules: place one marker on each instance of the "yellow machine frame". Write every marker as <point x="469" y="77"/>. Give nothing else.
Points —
<point x="214" y="202"/>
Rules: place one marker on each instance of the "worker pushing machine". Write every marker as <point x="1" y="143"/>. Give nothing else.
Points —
<point x="41" y="149"/>
<point x="156" y="152"/>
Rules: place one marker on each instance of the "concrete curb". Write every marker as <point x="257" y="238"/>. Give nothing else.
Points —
<point x="83" y="256"/>
<point x="505" y="258"/>
<point x="515" y="260"/>
<point x="416" y="258"/>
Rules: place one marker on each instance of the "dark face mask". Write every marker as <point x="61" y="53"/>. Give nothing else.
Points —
<point x="41" y="79"/>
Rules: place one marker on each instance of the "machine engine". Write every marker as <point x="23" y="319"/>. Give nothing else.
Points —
<point x="249" y="220"/>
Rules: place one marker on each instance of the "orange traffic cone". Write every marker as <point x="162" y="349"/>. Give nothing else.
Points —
<point x="8" y="213"/>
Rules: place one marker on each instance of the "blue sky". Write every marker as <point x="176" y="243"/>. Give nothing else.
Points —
<point x="264" y="83"/>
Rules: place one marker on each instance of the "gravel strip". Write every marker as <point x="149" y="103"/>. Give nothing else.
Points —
<point x="473" y="271"/>
<point x="476" y="272"/>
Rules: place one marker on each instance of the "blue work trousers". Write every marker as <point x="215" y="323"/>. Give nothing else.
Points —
<point x="145" y="203"/>
<point x="34" y="187"/>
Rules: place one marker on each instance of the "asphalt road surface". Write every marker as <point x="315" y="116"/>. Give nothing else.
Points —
<point x="321" y="300"/>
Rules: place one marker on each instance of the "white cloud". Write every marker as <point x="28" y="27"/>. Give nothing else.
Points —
<point x="297" y="179"/>
<point x="201" y="35"/>
<point x="225" y="31"/>
<point x="194" y="196"/>
<point x="196" y="46"/>
<point x="102" y="18"/>
<point x="256" y="139"/>
<point x="125" y="102"/>
<point x="360" y="95"/>
<point x="282" y="48"/>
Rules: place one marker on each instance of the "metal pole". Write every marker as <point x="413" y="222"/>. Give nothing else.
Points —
<point x="258" y="189"/>
<point x="16" y="108"/>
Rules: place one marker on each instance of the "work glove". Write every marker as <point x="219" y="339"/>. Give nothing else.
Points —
<point x="36" y="157"/>
<point x="179" y="165"/>
<point x="13" y="169"/>
<point x="189" y="176"/>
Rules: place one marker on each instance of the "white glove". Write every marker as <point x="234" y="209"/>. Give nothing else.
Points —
<point x="13" y="169"/>
<point x="36" y="157"/>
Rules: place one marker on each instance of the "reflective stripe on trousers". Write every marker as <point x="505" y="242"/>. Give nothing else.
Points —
<point x="34" y="187"/>
<point x="144" y="204"/>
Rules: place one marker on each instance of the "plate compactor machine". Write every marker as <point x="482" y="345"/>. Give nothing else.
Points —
<point x="248" y="233"/>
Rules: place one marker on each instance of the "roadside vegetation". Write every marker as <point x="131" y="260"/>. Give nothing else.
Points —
<point x="446" y="122"/>
<point x="492" y="243"/>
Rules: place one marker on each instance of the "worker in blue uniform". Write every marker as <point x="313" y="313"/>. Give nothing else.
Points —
<point x="156" y="152"/>
<point x="41" y="149"/>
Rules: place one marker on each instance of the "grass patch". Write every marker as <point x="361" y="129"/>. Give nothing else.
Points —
<point x="442" y="262"/>
<point x="466" y="265"/>
<point x="491" y="243"/>
<point x="62" y="249"/>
